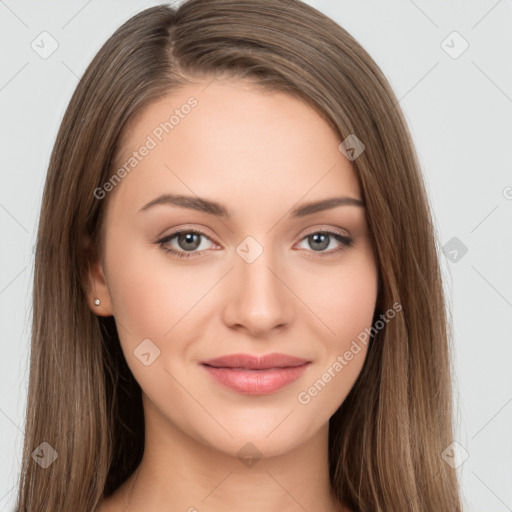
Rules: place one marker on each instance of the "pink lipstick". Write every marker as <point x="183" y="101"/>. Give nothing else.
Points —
<point x="253" y="375"/>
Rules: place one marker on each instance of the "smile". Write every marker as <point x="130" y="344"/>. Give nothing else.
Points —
<point x="256" y="382"/>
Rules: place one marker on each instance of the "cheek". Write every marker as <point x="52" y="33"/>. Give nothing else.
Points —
<point x="151" y="292"/>
<point x="346" y="311"/>
<point x="343" y="298"/>
<point x="153" y="300"/>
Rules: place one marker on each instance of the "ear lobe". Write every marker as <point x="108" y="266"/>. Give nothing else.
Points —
<point x="97" y="287"/>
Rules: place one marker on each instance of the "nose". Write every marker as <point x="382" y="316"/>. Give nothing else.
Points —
<point x="259" y="300"/>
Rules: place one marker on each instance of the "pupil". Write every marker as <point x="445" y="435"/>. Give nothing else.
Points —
<point x="316" y="238"/>
<point x="189" y="238"/>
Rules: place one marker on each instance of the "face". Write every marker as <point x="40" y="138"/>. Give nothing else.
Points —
<point x="240" y="267"/>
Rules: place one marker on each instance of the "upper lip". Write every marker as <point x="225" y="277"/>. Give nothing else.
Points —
<point x="250" y="362"/>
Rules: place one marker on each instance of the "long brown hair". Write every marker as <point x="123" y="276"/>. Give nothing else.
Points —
<point x="386" y="439"/>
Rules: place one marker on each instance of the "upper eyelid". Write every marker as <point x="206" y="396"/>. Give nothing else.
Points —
<point x="186" y="230"/>
<point x="327" y="230"/>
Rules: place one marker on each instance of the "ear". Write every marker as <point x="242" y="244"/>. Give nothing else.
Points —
<point x="96" y="282"/>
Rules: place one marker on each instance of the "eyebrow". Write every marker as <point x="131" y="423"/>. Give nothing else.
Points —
<point x="214" y="208"/>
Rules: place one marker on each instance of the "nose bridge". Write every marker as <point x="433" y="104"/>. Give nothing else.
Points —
<point x="259" y="299"/>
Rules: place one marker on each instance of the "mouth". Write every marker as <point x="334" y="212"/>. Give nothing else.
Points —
<point x="252" y="375"/>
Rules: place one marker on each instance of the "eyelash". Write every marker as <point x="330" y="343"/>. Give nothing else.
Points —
<point x="346" y="243"/>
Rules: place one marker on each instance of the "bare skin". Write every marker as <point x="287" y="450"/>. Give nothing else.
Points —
<point x="260" y="154"/>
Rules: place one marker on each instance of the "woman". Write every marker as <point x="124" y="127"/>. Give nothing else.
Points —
<point x="237" y="297"/>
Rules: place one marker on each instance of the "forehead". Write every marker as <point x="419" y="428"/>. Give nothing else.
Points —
<point x="231" y="141"/>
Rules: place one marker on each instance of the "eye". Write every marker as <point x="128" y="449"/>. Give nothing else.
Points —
<point x="188" y="242"/>
<point x="321" y="240"/>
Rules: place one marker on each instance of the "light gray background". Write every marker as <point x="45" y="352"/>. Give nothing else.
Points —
<point x="459" y="111"/>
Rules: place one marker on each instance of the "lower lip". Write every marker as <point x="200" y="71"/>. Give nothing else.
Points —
<point x="256" y="382"/>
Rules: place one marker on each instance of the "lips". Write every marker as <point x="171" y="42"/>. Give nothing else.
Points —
<point x="249" y="362"/>
<point x="254" y="375"/>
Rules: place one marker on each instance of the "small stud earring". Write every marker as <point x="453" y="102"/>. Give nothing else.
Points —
<point x="97" y="302"/>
